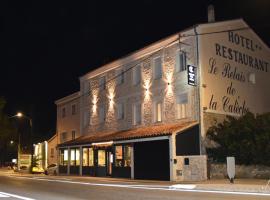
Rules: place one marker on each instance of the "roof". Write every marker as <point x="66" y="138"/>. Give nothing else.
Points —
<point x="68" y="98"/>
<point x="52" y="138"/>
<point x="142" y="132"/>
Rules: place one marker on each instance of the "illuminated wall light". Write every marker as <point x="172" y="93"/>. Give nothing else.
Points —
<point x="94" y="101"/>
<point x="169" y="78"/>
<point x="146" y="86"/>
<point x="111" y="95"/>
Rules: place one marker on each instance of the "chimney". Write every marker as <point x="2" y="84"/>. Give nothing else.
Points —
<point x="211" y="13"/>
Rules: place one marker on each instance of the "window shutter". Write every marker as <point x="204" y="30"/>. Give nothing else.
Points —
<point x="157" y="68"/>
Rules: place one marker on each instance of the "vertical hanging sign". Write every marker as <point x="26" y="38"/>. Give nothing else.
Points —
<point x="192" y="74"/>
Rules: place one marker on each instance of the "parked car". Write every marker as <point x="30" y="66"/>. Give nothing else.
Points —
<point x="37" y="170"/>
<point x="51" y="169"/>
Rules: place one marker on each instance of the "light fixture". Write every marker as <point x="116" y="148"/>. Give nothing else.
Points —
<point x="19" y="114"/>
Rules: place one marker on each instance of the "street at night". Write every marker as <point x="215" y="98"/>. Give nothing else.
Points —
<point x="31" y="187"/>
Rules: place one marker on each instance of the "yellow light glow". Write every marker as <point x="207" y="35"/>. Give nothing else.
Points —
<point x="94" y="101"/>
<point x="168" y="78"/>
<point x="147" y="85"/>
<point x="111" y="95"/>
<point x="19" y="114"/>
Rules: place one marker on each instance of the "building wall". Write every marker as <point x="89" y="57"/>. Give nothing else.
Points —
<point x="52" y="150"/>
<point x="147" y="92"/>
<point x="70" y="122"/>
<point x="234" y="72"/>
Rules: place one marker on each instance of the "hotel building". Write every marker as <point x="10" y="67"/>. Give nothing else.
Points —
<point x="145" y="116"/>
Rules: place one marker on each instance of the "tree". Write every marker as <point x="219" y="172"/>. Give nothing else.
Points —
<point x="7" y="132"/>
<point x="247" y="138"/>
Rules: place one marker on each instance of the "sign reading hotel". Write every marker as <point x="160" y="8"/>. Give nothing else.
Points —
<point x="235" y="69"/>
<point x="192" y="74"/>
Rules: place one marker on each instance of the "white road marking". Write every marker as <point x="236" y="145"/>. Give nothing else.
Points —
<point x="183" y="186"/>
<point x="4" y="194"/>
<point x="150" y="187"/>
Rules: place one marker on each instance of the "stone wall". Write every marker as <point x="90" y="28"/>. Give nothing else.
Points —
<point x="241" y="171"/>
<point x="194" y="170"/>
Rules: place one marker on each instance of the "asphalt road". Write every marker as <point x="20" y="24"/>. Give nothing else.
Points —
<point x="47" y="188"/>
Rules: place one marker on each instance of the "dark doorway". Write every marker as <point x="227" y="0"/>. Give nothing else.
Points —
<point x="151" y="160"/>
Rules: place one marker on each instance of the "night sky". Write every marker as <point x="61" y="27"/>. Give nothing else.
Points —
<point x="45" y="46"/>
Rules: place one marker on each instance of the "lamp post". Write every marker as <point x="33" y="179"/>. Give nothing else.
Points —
<point x="21" y="115"/>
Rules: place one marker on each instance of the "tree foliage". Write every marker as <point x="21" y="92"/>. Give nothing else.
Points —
<point x="7" y="132"/>
<point x="247" y="138"/>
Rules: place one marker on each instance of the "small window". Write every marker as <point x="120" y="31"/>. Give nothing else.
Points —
<point x="180" y="61"/>
<point x="63" y="112"/>
<point x="118" y="156"/>
<point x="63" y="157"/>
<point x="73" y="135"/>
<point x="52" y="152"/>
<point x="136" y="75"/>
<point x="181" y="103"/>
<point x="158" y="111"/>
<point x="85" y="157"/>
<point x="127" y="156"/>
<point x="119" y="76"/>
<point x="157" y="68"/>
<point x="137" y="114"/>
<point x="120" y="111"/>
<point x="73" y="109"/>
<point x="102" y="114"/>
<point x="72" y="157"/>
<point x="86" y="118"/>
<point x="251" y="78"/>
<point x="63" y="137"/>
<point x="102" y="83"/>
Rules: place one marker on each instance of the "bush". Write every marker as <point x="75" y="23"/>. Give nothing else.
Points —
<point x="247" y="138"/>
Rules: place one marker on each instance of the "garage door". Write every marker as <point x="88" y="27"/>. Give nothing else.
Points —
<point x="151" y="160"/>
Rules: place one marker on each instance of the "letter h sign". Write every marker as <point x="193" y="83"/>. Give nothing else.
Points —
<point x="192" y="74"/>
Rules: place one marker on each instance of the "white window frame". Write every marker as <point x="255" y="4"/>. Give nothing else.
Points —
<point x="181" y="106"/>
<point x="135" y="72"/>
<point x="154" y="68"/>
<point x="121" y="115"/>
<point x="155" y="110"/>
<point x="102" y="113"/>
<point x="73" y="131"/>
<point x="178" y="66"/>
<point x="75" y="109"/>
<point x="102" y="82"/>
<point x="134" y="114"/>
<point x="63" y="114"/>
<point x="120" y="76"/>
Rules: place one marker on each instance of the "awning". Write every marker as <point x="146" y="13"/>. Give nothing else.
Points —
<point x="143" y="132"/>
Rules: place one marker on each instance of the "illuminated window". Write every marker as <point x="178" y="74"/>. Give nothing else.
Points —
<point x="136" y="75"/>
<point x="102" y="114"/>
<point x="181" y="103"/>
<point x="85" y="156"/>
<point x="118" y="156"/>
<point x="119" y="76"/>
<point x="102" y="83"/>
<point x="73" y="109"/>
<point x="63" y="112"/>
<point x="158" y="111"/>
<point x="120" y="111"/>
<point x="91" y="157"/>
<point x="180" y="61"/>
<point x="77" y="158"/>
<point x="101" y="158"/>
<point x="63" y="157"/>
<point x="157" y="68"/>
<point x="127" y="156"/>
<point x="137" y="114"/>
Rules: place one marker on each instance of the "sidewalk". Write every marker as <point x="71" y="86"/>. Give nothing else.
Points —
<point x="239" y="185"/>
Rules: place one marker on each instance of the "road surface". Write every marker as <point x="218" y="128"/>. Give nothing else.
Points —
<point x="49" y="187"/>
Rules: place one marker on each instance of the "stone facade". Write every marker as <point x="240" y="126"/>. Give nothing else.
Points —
<point x="146" y="93"/>
<point x="241" y="171"/>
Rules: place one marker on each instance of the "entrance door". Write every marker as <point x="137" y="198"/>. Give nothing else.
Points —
<point x="151" y="160"/>
<point x="109" y="160"/>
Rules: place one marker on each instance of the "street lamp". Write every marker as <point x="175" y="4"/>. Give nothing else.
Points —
<point x="21" y="115"/>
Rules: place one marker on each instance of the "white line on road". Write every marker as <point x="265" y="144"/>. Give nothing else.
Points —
<point x="4" y="194"/>
<point x="150" y="187"/>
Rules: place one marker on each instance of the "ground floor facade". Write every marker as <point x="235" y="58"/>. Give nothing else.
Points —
<point x="170" y="154"/>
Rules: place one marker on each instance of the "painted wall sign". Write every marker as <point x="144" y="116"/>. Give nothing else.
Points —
<point x="235" y="70"/>
<point x="192" y="74"/>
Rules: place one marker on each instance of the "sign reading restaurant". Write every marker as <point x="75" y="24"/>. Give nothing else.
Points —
<point x="232" y="63"/>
